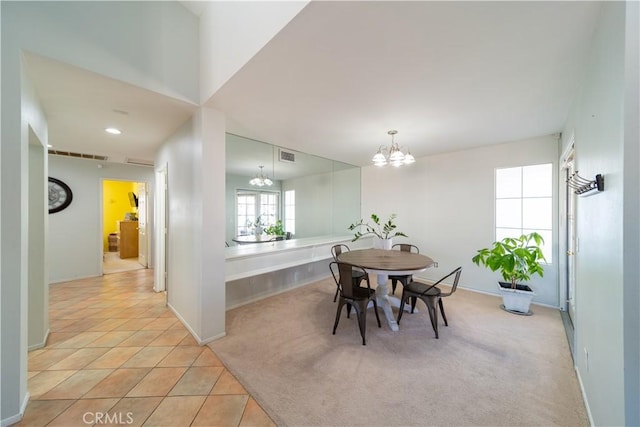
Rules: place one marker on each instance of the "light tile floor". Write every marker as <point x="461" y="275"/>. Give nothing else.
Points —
<point x="112" y="263"/>
<point x="117" y="356"/>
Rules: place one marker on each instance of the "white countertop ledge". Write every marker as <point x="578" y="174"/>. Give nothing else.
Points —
<point x="259" y="258"/>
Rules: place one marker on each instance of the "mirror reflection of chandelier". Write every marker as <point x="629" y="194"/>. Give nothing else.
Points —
<point x="392" y="155"/>
<point x="260" y="179"/>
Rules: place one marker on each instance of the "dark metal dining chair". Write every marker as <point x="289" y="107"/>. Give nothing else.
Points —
<point x="357" y="297"/>
<point x="357" y="274"/>
<point x="406" y="278"/>
<point x="430" y="295"/>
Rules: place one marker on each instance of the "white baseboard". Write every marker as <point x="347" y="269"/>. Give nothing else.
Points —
<point x="584" y="396"/>
<point x="212" y="339"/>
<point x="18" y="417"/>
<point x="71" y="279"/>
<point x="495" y="294"/>
<point x="40" y="345"/>
<point x="195" y="336"/>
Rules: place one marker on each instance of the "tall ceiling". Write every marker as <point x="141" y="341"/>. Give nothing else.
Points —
<point x="446" y="75"/>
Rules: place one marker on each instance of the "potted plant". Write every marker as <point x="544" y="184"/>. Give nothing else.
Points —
<point x="382" y="230"/>
<point x="276" y="229"/>
<point x="257" y="226"/>
<point x="517" y="259"/>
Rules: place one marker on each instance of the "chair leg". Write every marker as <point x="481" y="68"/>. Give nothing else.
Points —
<point x="361" y="313"/>
<point x="348" y="311"/>
<point x="375" y="310"/>
<point x="444" y="317"/>
<point x="335" y="297"/>
<point x="413" y="303"/>
<point x="394" y="283"/>
<point x="433" y="314"/>
<point x="335" y="325"/>
<point x="401" y="309"/>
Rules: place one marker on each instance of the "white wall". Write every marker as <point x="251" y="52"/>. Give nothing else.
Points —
<point x="445" y="204"/>
<point x="38" y="306"/>
<point x="607" y="224"/>
<point x="21" y="114"/>
<point x="231" y="33"/>
<point x="153" y="44"/>
<point x="140" y="51"/>
<point x="178" y="153"/>
<point x="194" y="157"/>
<point x="75" y="234"/>
<point x="631" y="247"/>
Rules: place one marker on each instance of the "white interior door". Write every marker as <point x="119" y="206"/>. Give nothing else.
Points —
<point x="143" y="241"/>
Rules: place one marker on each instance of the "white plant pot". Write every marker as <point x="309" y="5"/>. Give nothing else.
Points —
<point x="385" y="244"/>
<point x="516" y="300"/>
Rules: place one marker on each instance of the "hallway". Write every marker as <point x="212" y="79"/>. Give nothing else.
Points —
<point x="112" y="263"/>
<point x="117" y="355"/>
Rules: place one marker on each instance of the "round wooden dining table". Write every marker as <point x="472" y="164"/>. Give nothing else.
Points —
<point x="382" y="263"/>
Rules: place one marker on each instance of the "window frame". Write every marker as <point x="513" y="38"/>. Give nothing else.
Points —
<point x="548" y="233"/>
<point x="258" y="205"/>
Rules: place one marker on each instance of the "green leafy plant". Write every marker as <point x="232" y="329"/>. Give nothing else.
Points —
<point x="517" y="259"/>
<point x="276" y="229"/>
<point x="382" y="230"/>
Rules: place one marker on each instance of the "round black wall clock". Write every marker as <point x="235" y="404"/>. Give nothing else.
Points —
<point x="60" y="195"/>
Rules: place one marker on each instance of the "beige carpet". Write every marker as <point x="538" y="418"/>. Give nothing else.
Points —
<point x="489" y="367"/>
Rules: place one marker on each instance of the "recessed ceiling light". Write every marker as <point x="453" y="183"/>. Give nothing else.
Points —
<point x="113" y="131"/>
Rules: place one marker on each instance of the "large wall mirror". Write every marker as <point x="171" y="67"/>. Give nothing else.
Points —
<point x="287" y="193"/>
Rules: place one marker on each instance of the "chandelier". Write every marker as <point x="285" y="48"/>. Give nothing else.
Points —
<point x="260" y="180"/>
<point x="392" y="155"/>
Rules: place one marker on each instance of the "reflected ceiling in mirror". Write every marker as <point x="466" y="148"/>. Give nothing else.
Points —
<point x="244" y="156"/>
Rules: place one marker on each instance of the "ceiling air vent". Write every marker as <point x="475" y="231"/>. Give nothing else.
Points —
<point x="78" y="155"/>
<point x="286" y="156"/>
<point x="139" y="162"/>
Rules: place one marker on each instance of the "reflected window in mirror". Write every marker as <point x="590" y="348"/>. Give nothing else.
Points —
<point x="290" y="211"/>
<point x="256" y="209"/>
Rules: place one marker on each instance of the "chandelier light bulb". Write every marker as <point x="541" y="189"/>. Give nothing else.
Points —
<point x="408" y="158"/>
<point x="379" y="159"/>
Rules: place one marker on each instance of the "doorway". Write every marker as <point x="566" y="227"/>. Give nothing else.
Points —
<point x="161" y="227"/>
<point x="124" y="237"/>
<point x="568" y="249"/>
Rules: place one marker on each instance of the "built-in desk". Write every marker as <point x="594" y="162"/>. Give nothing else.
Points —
<point x="254" y="272"/>
<point x="251" y="260"/>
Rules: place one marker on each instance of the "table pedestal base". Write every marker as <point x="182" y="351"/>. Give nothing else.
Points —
<point x="386" y="301"/>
